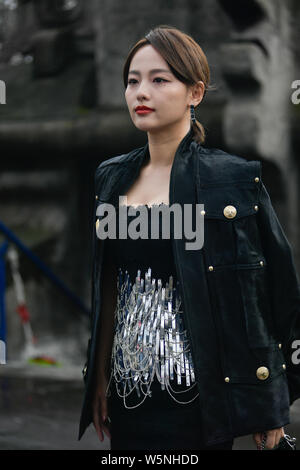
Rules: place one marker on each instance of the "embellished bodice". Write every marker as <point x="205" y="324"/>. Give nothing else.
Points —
<point x="150" y="339"/>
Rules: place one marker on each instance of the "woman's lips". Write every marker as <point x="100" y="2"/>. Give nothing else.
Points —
<point x="144" y="111"/>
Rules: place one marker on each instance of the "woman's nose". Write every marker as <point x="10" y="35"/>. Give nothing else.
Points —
<point x="142" y="91"/>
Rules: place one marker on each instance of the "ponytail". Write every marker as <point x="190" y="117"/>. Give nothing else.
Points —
<point x="199" y="132"/>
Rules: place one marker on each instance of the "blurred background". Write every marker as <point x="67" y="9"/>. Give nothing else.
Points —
<point x="62" y="112"/>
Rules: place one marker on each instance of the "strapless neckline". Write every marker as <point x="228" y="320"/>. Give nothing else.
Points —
<point x="144" y="205"/>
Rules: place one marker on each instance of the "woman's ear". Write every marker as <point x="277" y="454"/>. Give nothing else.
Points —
<point x="197" y="92"/>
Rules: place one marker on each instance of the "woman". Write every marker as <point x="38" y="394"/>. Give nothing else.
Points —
<point x="189" y="347"/>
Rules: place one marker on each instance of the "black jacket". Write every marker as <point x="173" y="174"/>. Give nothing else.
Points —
<point x="241" y="293"/>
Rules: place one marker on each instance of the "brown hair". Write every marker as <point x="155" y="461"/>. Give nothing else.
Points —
<point x="184" y="56"/>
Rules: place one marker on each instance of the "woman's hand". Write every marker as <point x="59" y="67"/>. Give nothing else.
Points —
<point x="273" y="438"/>
<point x="100" y="413"/>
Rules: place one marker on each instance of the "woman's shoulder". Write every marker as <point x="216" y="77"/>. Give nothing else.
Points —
<point x="216" y="163"/>
<point x="111" y="168"/>
<point x="221" y="155"/>
<point x="119" y="159"/>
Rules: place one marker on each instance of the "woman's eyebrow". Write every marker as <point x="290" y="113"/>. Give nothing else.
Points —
<point x="137" y="72"/>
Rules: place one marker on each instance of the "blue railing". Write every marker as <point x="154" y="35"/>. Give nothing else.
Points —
<point x="10" y="236"/>
<point x="3" y="249"/>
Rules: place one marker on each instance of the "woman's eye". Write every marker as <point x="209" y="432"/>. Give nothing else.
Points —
<point x="133" y="81"/>
<point x="158" y="78"/>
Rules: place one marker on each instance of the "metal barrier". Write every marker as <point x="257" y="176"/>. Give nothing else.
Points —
<point x="10" y="236"/>
<point x="3" y="249"/>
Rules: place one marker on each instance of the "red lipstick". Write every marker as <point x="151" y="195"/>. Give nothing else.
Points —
<point x="143" y="110"/>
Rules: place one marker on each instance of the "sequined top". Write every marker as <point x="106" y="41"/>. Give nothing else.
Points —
<point x="150" y="339"/>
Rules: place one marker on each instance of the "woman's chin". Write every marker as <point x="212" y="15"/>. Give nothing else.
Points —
<point x="146" y="127"/>
<point x="149" y="127"/>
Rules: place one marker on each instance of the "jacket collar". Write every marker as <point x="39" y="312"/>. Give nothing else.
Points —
<point x="143" y="156"/>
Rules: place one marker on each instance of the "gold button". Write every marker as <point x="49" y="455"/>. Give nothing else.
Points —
<point x="262" y="373"/>
<point x="256" y="208"/>
<point x="202" y="212"/>
<point x="229" y="212"/>
<point x="283" y="366"/>
<point x="97" y="225"/>
<point x="227" y="379"/>
<point x="256" y="179"/>
<point x="210" y="268"/>
<point x="261" y="263"/>
<point x="279" y="345"/>
<point x="96" y="197"/>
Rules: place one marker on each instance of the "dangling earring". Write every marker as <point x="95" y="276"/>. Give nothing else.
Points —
<point x="193" y="118"/>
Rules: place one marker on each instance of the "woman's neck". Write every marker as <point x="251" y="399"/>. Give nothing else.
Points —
<point x="163" y="146"/>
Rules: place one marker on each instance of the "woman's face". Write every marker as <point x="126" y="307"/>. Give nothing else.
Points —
<point x="161" y="91"/>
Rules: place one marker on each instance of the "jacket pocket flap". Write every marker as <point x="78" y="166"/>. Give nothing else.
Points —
<point x="266" y="364"/>
<point x="229" y="203"/>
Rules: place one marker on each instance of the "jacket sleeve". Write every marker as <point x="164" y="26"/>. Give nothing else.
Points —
<point x="284" y="287"/>
<point x="98" y="178"/>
